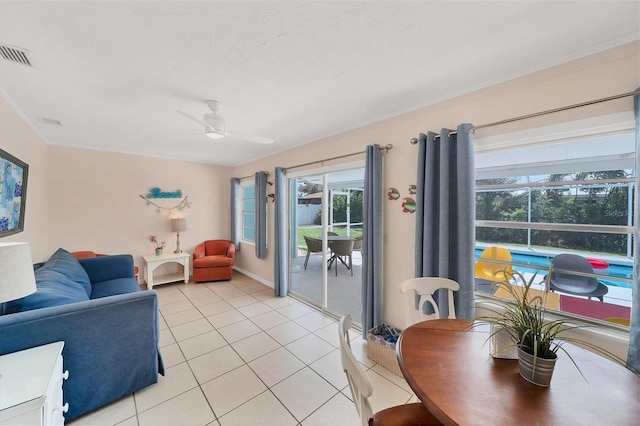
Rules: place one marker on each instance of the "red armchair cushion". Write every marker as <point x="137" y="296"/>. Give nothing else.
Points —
<point x="214" y="247"/>
<point x="213" y="261"/>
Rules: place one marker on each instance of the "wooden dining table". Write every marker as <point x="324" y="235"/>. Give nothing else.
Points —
<point x="448" y="366"/>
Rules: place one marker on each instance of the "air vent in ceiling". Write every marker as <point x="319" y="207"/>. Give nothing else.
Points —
<point x="51" y="121"/>
<point x="16" y="54"/>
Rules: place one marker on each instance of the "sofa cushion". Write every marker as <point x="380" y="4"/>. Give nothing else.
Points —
<point x="65" y="263"/>
<point x="61" y="280"/>
<point x="212" y="261"/>
<point x="115" y="286"/>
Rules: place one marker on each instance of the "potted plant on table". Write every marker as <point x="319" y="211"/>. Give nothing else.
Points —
<point x="536" y="338"/>
<point x="157" y="244"/>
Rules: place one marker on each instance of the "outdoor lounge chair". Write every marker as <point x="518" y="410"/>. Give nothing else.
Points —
<point x="563" y="281"/>
<point x="489" y="271"/>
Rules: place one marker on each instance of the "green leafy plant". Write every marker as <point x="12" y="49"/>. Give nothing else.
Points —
<point x="524" y="319"/>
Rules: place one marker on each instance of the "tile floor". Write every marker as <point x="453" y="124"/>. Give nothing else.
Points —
<point x="236" y="355"/>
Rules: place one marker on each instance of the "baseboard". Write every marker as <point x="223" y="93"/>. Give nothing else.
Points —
<point x="255" y="277"/>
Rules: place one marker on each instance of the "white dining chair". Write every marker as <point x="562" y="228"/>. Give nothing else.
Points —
<point x="425" y="287"/>
<point x="362" y="389"/>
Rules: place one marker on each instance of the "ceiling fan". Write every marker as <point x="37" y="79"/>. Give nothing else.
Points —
<point x="214" y="125"/>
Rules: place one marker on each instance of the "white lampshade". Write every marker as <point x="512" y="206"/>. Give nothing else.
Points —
<point x="178" y="225"/>
<point x="16" y="271"/>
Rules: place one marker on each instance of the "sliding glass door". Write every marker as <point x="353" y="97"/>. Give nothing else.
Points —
<point x="307" y="255"/>
<point x="326" y="239"/>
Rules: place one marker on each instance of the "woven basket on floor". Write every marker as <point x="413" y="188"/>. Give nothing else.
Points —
<point x="382" y="352"/>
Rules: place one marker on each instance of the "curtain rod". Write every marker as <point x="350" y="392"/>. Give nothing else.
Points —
<point x="253" y="175"/>
<point x="549" y="111"/>
<point x="385" y="148"/>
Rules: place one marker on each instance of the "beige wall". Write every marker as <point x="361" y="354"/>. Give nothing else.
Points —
<point x="608" y="73"/>
<point x="94" y="201"/>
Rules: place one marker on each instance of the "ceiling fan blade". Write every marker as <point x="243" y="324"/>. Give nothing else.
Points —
<point x="193" y="135"/>
<point x="249" y="138"/>
<point x="197" y="120"/>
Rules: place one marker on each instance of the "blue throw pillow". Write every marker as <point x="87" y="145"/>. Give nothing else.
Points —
<point x="63" y="262"/>
<point x="58" y="282"/>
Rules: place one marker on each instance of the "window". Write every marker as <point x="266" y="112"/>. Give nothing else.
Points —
<point x="589" y="212"/>
<point x="249" y="213"/>
<point x="565" y="197"/>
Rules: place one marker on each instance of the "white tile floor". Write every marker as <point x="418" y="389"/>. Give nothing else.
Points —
<point x="236" y="355"/>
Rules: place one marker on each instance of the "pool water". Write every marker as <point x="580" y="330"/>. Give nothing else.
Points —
<point x="540" y="263"/>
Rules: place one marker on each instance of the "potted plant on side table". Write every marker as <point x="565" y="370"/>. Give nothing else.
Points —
<point x="157" y="244"/>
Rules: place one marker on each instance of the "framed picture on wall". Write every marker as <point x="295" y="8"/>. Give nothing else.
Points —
<point x="13" y="193"/>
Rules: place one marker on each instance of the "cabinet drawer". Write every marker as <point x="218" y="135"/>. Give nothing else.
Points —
<point x="53" y="406"/>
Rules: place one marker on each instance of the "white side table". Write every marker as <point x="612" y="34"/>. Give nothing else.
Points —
<point x="31" y="386"/>
<point x="151" y="262"/>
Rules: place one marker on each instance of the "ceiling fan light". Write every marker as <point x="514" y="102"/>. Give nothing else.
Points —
<point x="214" y="135"/>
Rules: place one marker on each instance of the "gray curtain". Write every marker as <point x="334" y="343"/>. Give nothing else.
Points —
<point x="235" y="211"/>
<point x="445" y="214"/>
<point x="261" y="214"/>
<point x="633" y="357"/>
<point x="372" y="241"/>
<point x="280" y="276"/>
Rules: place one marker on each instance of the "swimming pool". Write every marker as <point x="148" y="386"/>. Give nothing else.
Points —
<point x="540" y="263"/>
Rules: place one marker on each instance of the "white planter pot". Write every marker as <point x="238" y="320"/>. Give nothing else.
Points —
<point x="501" y="344"/>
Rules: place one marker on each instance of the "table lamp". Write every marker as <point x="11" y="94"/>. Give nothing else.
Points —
<point x="16" y="271"/>
<point x="178" y="225"/>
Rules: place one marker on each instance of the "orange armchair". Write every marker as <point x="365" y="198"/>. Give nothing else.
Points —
<point x="213" y="260"/>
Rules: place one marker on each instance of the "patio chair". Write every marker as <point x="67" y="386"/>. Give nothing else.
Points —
<point x="488" y="271"/>
<point x="563" y="281"/>
<point x="341" y="251"/>
<point x="331" y="234"/>
<point x="314" y="245"/>
<point x="362" y="389"/>
<point x="357" y="244"/>
<point x="425" y="287"/>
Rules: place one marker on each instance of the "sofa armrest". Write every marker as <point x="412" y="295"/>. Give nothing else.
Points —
<point x="111" y="345"/>
<point x="198" y="252"/>
<point x="105" y="268"/>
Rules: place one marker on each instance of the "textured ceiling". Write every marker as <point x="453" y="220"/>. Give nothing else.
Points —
<point x="115" y="73"/>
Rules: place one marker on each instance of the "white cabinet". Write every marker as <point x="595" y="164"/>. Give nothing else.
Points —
<point x="31" y="386"/>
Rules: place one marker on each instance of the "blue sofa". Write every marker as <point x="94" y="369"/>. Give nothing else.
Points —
<point x="109" y="327"/>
